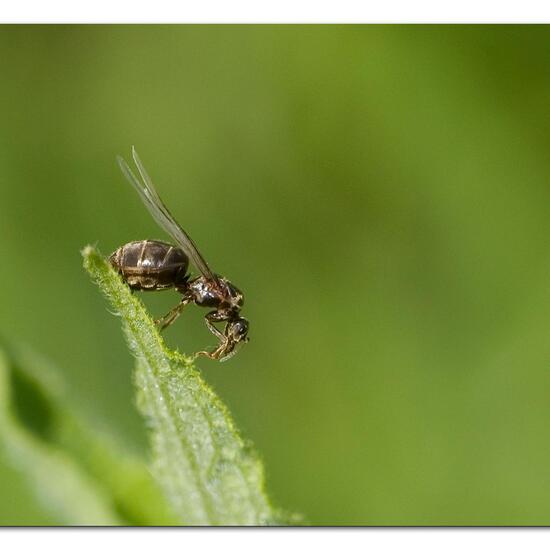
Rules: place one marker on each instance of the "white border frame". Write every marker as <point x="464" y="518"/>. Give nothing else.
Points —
<point x="282" y="11"/>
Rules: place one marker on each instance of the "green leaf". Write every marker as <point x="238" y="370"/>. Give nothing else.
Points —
<point x="209" y="474"/>
<point x="78" y="475"/>
<point x="67" y="493"/>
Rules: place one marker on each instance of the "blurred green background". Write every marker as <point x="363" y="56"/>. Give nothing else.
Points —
<point x="382" y="196"/>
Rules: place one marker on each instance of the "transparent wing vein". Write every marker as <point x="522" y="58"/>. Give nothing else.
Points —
<point x="161" y="214"/>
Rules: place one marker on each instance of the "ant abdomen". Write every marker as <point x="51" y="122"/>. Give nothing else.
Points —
<point x="150" y="265"/>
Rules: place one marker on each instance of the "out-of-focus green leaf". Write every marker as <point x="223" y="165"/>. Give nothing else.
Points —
<point x="65" y="489"/>
<point x="209" y="474"/>
<point x="79" y="476"/>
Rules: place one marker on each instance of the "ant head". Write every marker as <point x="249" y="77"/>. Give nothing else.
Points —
<point x="237" y="330"/>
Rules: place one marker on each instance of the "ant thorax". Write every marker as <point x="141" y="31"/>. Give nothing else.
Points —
<point x="220" y="294"/>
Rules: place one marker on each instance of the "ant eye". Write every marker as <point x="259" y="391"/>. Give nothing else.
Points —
<point x="240" y="329"/>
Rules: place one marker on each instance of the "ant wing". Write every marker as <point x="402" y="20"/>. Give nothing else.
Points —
<point x="162" y="215"/>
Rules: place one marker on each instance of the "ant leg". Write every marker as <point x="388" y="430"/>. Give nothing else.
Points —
<point x="172" y="315"/>
<point x="220" y="351"/>
<point x="209" y="319"/>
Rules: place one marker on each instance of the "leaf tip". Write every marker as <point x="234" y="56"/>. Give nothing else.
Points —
<point x="90" y="252"/>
